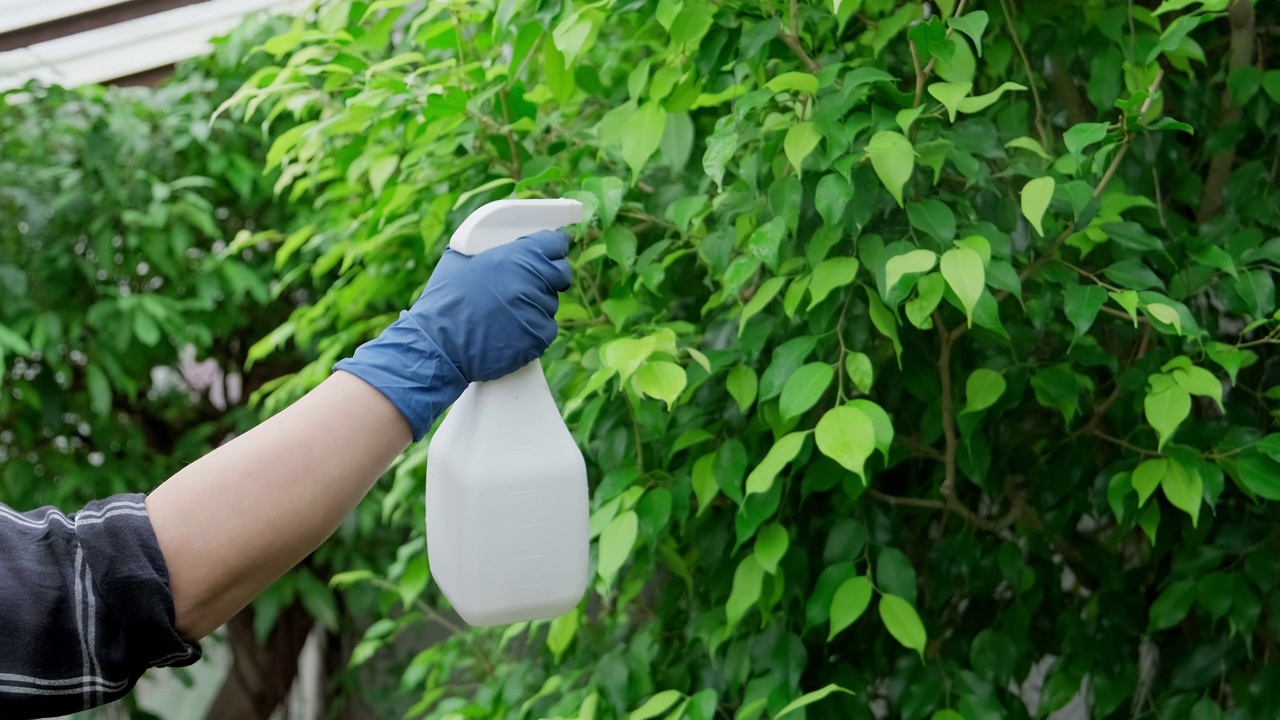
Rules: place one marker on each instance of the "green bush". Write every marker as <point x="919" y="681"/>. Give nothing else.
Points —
<point x="889" y="322"/>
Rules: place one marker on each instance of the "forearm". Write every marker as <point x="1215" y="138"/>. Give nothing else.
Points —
<point x="237" y="519"/>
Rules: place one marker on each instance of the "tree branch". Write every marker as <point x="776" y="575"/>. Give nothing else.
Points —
<point x="1242" y="20"/>
<point x="1007" y="6"/>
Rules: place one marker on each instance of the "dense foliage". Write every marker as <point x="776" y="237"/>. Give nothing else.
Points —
<point x="920" y="353"/>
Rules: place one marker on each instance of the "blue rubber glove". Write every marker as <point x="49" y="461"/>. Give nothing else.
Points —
<point x="480" y="318"/>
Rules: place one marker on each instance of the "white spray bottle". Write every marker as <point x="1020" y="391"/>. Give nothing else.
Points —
<point x="507" y="513"/>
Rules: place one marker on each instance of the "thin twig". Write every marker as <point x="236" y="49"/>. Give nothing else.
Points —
<point x="907" y="501"/>
<point x="948" y="422"/>
<point x="920" y="74"/>
<point x="1007" y="6"/>
<point x="1126" y="444"/>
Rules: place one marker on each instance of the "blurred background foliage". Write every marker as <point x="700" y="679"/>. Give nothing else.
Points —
<point x="921" y="353"/>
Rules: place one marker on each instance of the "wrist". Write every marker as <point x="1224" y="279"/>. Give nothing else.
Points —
<point x="410" y="370"/>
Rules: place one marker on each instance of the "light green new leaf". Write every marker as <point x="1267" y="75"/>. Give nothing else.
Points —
<point x="1166" y="315"/>
<point x="1036" y="195"/>
<point x="804" y="388"/>
<point x="747" y="580"/>
<point x="771" y="544"/>
<point x="962" y="268"/>
<point x="561" y="633"/>
<point x="1127" y="299"/>
<point x="848" y="436"/>
<point x="765" y="294"/>
<point x="626" y="355"/>
<point x="947" y="714"/>
<point x="615" y="544"/>
<point x="742" y="383"/>
<point x="1147" y="476"/>
<point x="858" y="366"/>
<point x="784" y="451"/>
<point x="705" y="487"/>
<point x="1082" y="135"/>
<point x="794" y="81"/>
<point x="1201" y="382"/>
<point x="950" y="95"/>
<point x="656" y="705"/>
<point x="829" y="275"/>
<point x="641" y="136"/>
<point x="380" y="171"/>
<point x="983" y="388"/>
<point x="893" y="159"/>
<point x="982" y="102"/>
<point x="1184" y="487"/>
<point x="916" y="261"/>
<point x="720" y="149"/>
<point x="800" y="140"/>
<point x="929" y="291"/>
<point x="662" y="380"/>
<point x="903" y="623"/>
<point x="1166" y="409"/>
<point x="973" y="24"/>
<point x="1029" y="144"/>
<point x="809" y="699"/>
<point x="848" y="603"/>
<point x="880" y="420"/>
<point x="884" y="321"/>
<point x="905" y="117"/>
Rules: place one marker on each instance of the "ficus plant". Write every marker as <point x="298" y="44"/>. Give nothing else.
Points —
<point x="919" y="351"/>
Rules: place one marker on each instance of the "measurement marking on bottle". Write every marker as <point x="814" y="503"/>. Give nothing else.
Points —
<point x="529" y="527"/>
<point x="527" y="492"/>
<point x="531" y="557"/>
<point x="527" y="587"/>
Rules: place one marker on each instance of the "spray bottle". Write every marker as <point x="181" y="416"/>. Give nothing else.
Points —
<point x="507" y="515"/>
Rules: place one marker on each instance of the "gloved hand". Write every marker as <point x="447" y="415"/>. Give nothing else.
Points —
<point x="481" y="317"/>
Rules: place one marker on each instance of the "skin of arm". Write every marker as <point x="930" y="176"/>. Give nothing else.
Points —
<point x="237" y="519"/>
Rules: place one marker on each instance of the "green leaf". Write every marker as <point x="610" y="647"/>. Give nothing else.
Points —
<point x="1258" y="475"/>
<point x="858" y="367"/>
<point x="99" y="387"/>
<point x="720" y="149"/>
<point x="765" y="294"/>
<point x="849" y="602"/>
<point x="794" y="81"/>
<point x="1081" y="304"/>
<point x="656" y="705"/>
<point x="973" y="24"/>
<point x="805" y="388"/>
<point x="413" y="582"/>
<point x="14" y="341"/>
<point x="747" y="581"/>
<point x="1271" y="85"/>
<point x="1056" y="387"/>
<point x="771" y="546"/>
<point x="963" y="271"/>
<point x="983" y="388"/>
<point x="1029" y="144"/>
<point x="1258" y="290"/>
<point x="809" y="699"/>
<point x="641" y="136"/>
<point x="561" y="633"/>
<point x="913" y="262"/>
<point x="884" y="321"/>
<point x="1128" y="300"/>
<point x="831" y="197"/>
<point x="615" y="544"/>
<point x="1173" y="35"/>
<point x="380" y="170"/>
<point x="893" y="159"/>
<point x="705" y="487"/>
<point x="626" y="355"/>
<point x="1082" y="135"/>
<point x="846" y="434"/>
<point x="1230" y="358"/>
<point x="934" y="219"/>
<point x="783" y="452"/>
<point x="1132" y="275"/>
<point x="895" y="574"/>
<point x="1201" y="382"/>
<point x="662" y="380"/>
<point x="829" y="275"/>
<point x="880" y="421"/>
<point x="766" y="241"/>
<point x="145" y="329"/>
<point x="904" y="118"/>
<point x="1184" y="488"/>
<point x="1147" y="476"/>
<point x="903" y="623"/>
<point x="951" y="95"/>
<point x="1172" y="606"/>
<point x="982" y="102"/>
<point x="1166" y="315"/>
<point x="800" y="140"/>
<point x="742" y="384"/>
<point x="1036" y="195"/>
<point x="929" y="291"/>
<point x="1166" y="409"/>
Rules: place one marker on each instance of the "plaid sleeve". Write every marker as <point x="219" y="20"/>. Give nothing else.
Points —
<point x="85" y="607"/>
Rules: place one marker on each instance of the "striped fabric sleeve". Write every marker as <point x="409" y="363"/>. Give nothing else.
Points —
<point x="85" y="607"/>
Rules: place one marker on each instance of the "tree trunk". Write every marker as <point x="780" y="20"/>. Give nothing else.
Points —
<point x="260" y="675"/>
<point x="1242" y="20"/>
